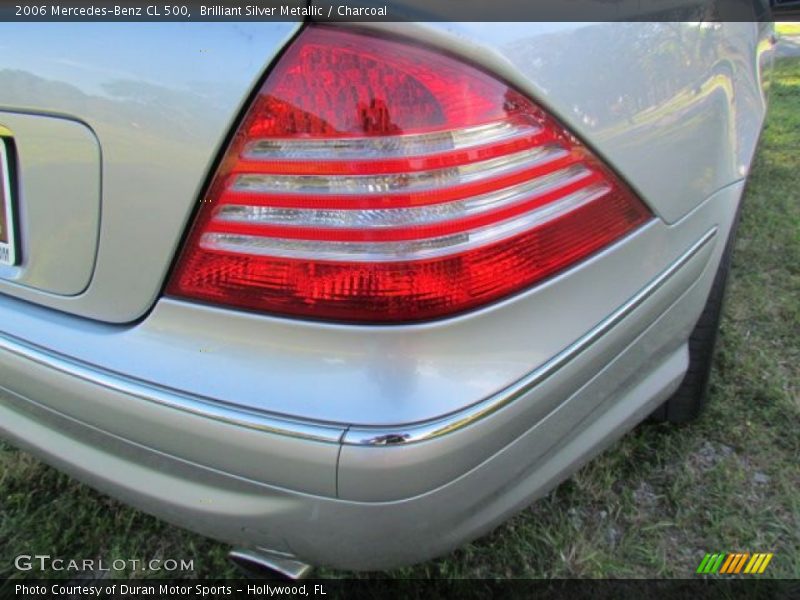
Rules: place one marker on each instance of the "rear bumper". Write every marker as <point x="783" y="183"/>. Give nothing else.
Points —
<point x="357" y="496"/>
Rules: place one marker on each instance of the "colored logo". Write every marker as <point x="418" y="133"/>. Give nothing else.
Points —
<point x="734" y="563"/>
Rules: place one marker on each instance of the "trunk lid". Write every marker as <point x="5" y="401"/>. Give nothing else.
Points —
<point x="116" y="129"/>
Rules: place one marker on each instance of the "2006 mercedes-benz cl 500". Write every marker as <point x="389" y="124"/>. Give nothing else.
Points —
<point x="352" y="295"/>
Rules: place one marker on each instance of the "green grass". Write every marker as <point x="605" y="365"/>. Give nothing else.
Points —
<point x="651" y="506"/>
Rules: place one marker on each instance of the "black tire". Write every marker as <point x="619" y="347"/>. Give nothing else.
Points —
<point x="687" y="403"/>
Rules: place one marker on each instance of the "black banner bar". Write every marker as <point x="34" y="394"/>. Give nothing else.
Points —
<point x="390" y="10"/>
<point x="712" y="588"/>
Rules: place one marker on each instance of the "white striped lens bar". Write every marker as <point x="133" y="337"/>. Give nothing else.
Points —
<point x="378" y="218"/>
<point x="261" y="186"/>
<point x="387" y="147"/>
<point x="406" y="250"/>
<point x="405" y="183"/>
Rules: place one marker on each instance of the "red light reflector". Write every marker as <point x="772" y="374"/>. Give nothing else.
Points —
<point x="374" y="180"/>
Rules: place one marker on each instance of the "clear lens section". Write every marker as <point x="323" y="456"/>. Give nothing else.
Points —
<point x="399" y="217"/>
<point x="405" y="250"/>
<point x="405" y="183"/>
<point x="395" y="146"/>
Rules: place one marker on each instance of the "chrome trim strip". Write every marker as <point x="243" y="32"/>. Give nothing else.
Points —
<point x="196" y="405"/>
<point x="343" y="434"/>
<point x="428" y="430"/>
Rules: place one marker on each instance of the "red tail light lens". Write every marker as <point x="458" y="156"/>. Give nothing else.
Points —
<point x="374" y="180"/>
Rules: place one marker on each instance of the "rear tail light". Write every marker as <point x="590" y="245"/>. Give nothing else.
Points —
<point x="378" y="181"/>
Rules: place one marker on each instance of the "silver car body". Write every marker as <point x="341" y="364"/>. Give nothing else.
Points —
<point x="354" y="446"/>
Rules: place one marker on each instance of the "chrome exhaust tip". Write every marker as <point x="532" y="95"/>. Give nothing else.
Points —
<point x="268" y="564"/>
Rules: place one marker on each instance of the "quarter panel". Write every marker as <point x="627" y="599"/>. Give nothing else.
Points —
<point x="675" y="108"/>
